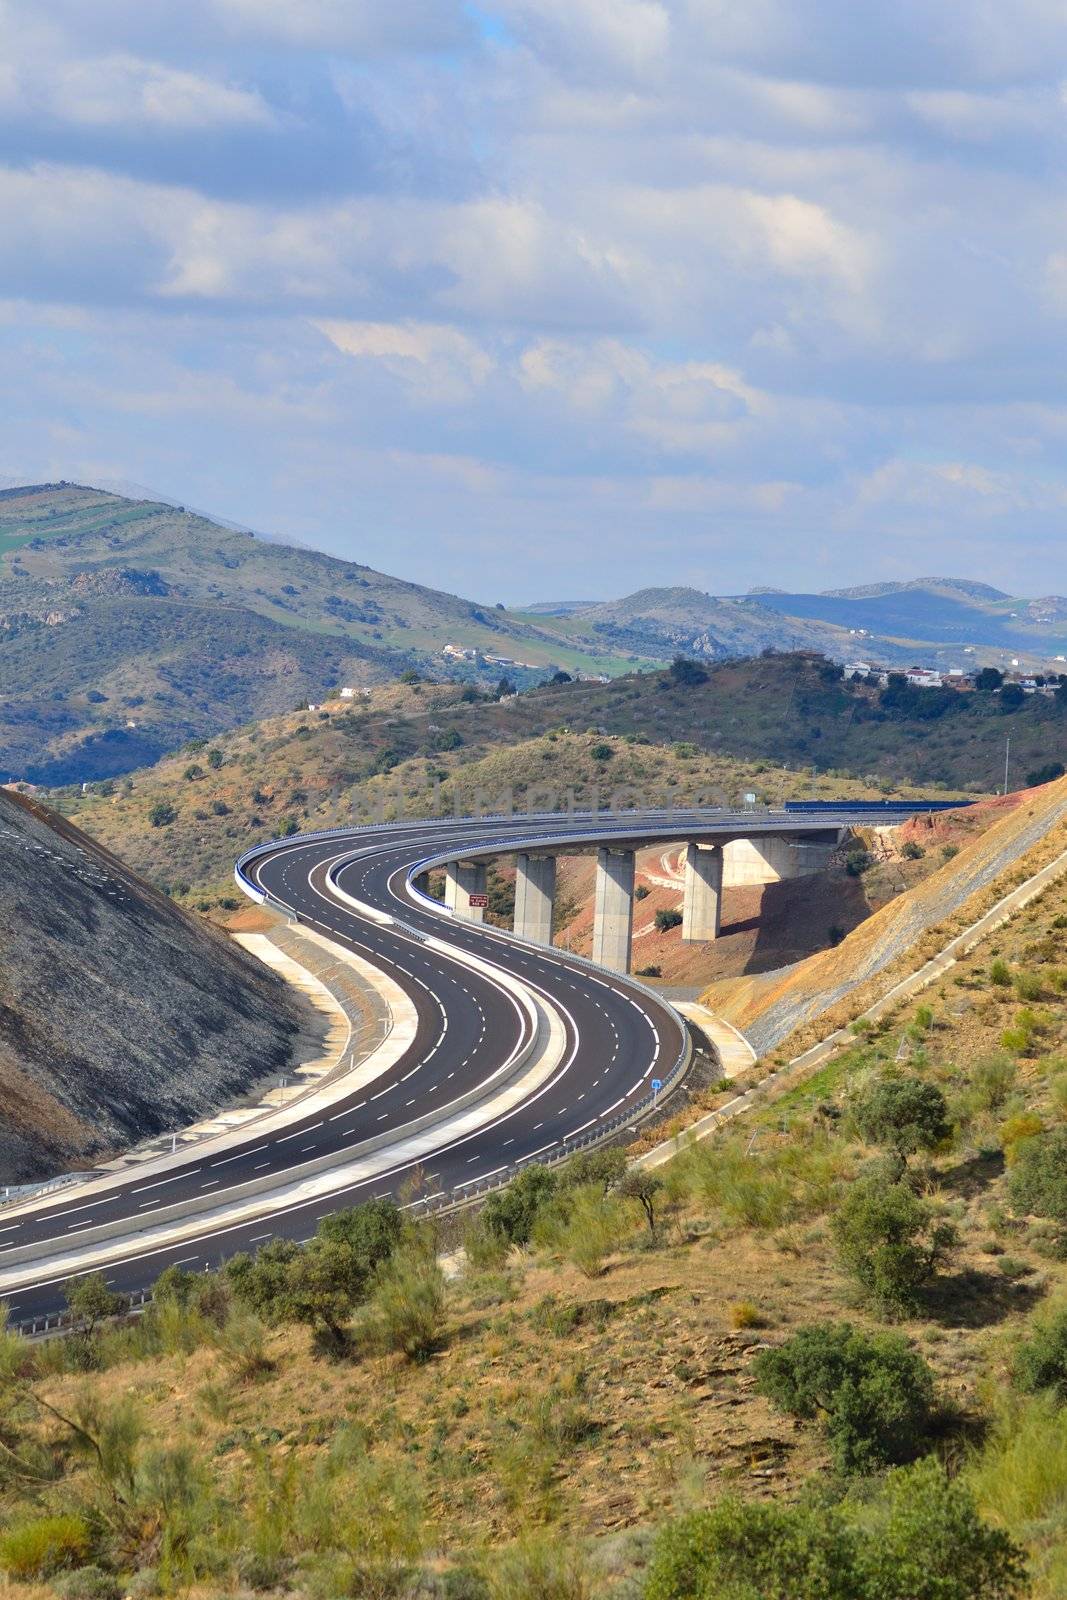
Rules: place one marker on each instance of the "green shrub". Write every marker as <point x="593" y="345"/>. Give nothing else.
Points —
<point x="873" y="1392"/>
<point x="1000" y="973"/>
<point x="923" y="1539"/>
<point x="912" y="850"/>
<point x="753" y="1551"/>
<point x="1028" y="985"/>
<point x="1017" y="1129"/>
<point x="586" y="1228"/>
<point x="162" y="814"/>
<point x="993" y="1079"/>
<point x="665" y="920"/>
<point x="87" y="1583"/>
<point x="540" y="1567"/>
<point x="510" y="1214"/>
<point x="38" y="1548"/>
<point x="1037" y="1184"/>
<point x="917" y="1537"/>
<point x="904" y="1114"/>
<point x="886" y="1239"/>
<point x="406" y="1312"/>
<point x="1040" y="1362"/>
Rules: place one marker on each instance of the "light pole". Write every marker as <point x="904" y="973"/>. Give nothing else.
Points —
<point x="1007" y="757"/>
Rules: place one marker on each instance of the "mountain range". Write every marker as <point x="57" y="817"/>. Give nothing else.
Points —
<point x="947" y="622"/>
<point x="128" y="626"/>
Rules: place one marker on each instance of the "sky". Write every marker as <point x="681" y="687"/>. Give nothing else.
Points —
<point x="551" y="299"/>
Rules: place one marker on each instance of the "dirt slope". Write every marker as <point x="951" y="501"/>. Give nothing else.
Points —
<point x="120" y="1015"/>
<point x="768" y="1007"/>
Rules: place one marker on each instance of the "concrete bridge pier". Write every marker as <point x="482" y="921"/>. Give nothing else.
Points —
<point x="462" y="880"/>
<point x="613" y="913"/>
<point x="702" y="903"/>
<point x="535" y="893"/>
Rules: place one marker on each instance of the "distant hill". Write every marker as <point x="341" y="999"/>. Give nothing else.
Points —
<point x="937" y="621"/>
<point x="779" y="726"/>
<point x="128" y="626"/>
<point x="121" y="1015"/>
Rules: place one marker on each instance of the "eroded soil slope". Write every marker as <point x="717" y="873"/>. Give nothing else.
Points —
<point x="120" y="1015"/>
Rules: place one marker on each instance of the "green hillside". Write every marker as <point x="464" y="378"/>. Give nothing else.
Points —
<point x="128" y="626"/>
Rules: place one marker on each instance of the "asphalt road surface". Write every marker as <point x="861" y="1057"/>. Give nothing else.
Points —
<point x="618" y="1037"/>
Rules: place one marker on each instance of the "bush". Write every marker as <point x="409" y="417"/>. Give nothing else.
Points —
<point x="1028" y="985"/>
<point x="993" y="1080"/>
<point x="686" y="673"/>
<point x="873" y="1392"/>
<point x="912" y="850"/>
<point x="903" y="1114"/>
<point x="87" y="1583"/>
<point x="1013" y="1133"/>
<point x="667" y="919"/>
<point x="922" y="1539"/>
<point x="162" y="814"/>
<point x="38" y="1548"/>
<point x="1037" y="1184"/>
<point x="406" y="1312"/>
<point x="510" y="1214"/>
<point x="588" y="1227"/>
<point x="745" y="1314"/>
<point x="919" y="1537"/>
<point x="601" y="752"/>
<point x="753" y="1552"/>
<point x="1000" y="973"/>
<point x="886" y="1239"/>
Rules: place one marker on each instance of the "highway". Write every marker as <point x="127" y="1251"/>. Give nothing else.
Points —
<point x="618" y="1037"/>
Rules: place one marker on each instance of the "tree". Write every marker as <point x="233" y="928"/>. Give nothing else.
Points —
<point x="686" y="674"/>
<point x="505" y="689"/>
<point x="665" y="920"/>
<point x="606" y="1168"/>
<point x="90" y="1301"/>
<point x="511" y="1213"/>
<point x="874" y="1394"/>
<point x="560" y="677"/>
<point x="886" y="1238"/>
<point x="904" y="1114"/>
<point x="1012" y="696"/>
<point x="214" y="759"/>
<point x="988" y="679"/>
<point x="1046" y="774"/>
<point x="1038" y="1181"/>
<point x="644" y="1187"/>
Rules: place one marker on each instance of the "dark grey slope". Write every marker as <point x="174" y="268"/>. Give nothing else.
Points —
<point x="121" y="1016"/>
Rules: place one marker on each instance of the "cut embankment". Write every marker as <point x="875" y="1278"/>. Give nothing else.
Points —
<point x="772" y="1007"/>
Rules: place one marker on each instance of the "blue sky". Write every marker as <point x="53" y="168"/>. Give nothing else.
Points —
<point x="551" y="298"/>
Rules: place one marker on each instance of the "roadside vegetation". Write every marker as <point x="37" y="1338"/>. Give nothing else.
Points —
<point x="821" y="1355"/>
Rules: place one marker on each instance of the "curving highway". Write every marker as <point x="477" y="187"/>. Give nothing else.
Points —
<point x="466" y="986"/>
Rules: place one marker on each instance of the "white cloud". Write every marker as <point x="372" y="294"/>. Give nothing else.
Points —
<point x="437" y="364"/>
<point x="120" y="90"/>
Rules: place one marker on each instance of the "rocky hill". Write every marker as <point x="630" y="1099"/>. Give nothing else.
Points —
<point x="121" y="1016"/>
